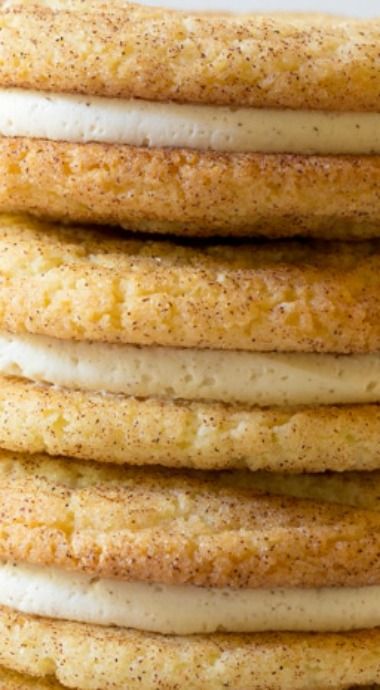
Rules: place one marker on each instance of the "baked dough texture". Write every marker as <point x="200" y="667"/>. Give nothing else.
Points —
<point x="116" y="429"/>
<point x="84" y="285"/>
<point x="9" y="680"/>
<point x="213" y="530"/>
<point x="90" y="658"/>
<point x="156" y="54"/>
<point x="15" y="681"/>
<point x="188" y="192"/>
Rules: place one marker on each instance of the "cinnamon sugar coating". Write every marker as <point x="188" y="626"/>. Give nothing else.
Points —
<point x="91" y="658"/>
<point x="210" y="530"/>
<point x="156" y="54"/>
<point x="294" y="296"/>
<point x="122" y="430"/>
<point x="192" y="193"/>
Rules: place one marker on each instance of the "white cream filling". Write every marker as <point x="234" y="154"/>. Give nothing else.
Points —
<point x="82" y="119"/>
<point x="184" y="610"/>
<point x="219" y="375"/>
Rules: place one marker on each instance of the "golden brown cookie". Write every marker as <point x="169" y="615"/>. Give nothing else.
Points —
<point x="182" y="528"/>
<point x="117" y="429"/>
<point x="290" y="297"/>
<point x="92" y="658"/>
<point x="185" y="192"/>
<point x="159" y="55"/>
<point x="15" y="681"/>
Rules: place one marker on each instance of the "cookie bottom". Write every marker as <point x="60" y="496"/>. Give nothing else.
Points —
<point x="16" y="681"/>
<point x="208" y="436"/>
<point x="192" y="193"/>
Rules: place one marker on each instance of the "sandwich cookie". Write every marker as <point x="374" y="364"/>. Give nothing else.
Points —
<point x="191" y="124"/>
<point x="104" y="563"/>
<point x="216" y="356"/>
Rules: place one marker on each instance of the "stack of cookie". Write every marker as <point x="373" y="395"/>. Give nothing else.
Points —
<point x="189" y="428"/>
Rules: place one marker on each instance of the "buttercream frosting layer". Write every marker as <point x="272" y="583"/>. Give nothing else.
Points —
<point x="219" y="375"/>
<point x="81" y="119"/>
<point x="184" y="610"/>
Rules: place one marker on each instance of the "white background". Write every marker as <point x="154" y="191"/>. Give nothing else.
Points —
<point x="365" y="8"/>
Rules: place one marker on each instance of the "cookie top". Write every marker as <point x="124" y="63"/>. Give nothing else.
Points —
<point x="155" y="54"/>
<point x="185" y="528"/>
<point x="88" y="657"/>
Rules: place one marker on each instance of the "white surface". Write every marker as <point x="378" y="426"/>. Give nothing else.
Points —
<point x="363" y="8"/>
<point x="252" y="378"/>
<point x="184" y="610"/>
<point x="81" y="119"/>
